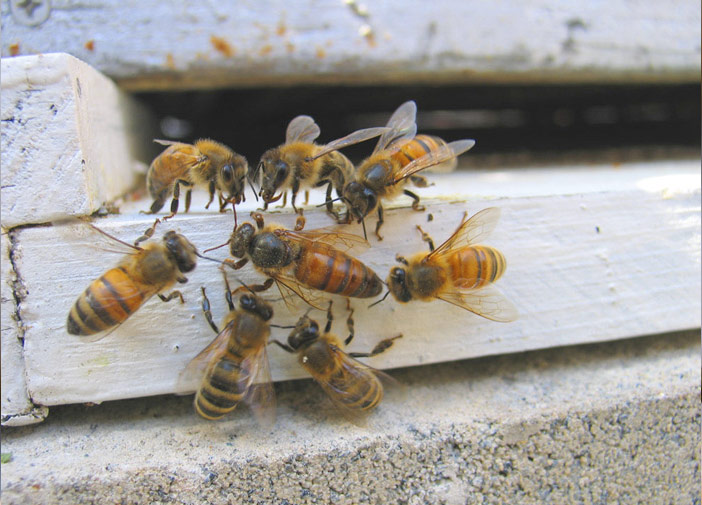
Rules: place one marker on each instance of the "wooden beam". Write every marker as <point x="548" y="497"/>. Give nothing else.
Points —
<point x="594" y="253"/>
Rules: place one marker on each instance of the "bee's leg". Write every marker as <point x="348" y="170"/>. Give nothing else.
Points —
<point x="300" y="223"/>
<point x="420" y="181"/>
<point x="147" y="234"/>
<point x="307" y="197"/>
<point x="426" y="238"/>
<point x="157" y="204"/>
<point x="401" y="259"/>
<point x="330" y="205"/>
<point x="176" y="196"/>
<point x="207" y="311"/>
<point x="330" y="318"/>
<point x="223" y="202"/>
<point x="415" y="203"/>
<point x="382" y="346"/>
<point x="294" y="190"/>
<point x="171" y="296"/>
<point x="211" y="189"/>
<point x="283" y="346"/>
<point x="236" y="265"/>
<point x="258" y="218"/>
<point x="227" y="292"/>
<point x="349" y="323"/>
<point x="188" y="198"/>
<point x="380" y="222"/>
<point x="256" y="288"/>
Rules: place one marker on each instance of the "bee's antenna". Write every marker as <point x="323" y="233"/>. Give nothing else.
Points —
<point x="331" y="201"/>
<point x="217" y="247"/>
<point x="381" y="300"/>
<point x="208" y="258"/>
<point x="252" y="187"/>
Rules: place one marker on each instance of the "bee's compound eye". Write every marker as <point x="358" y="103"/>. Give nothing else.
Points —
<point x="227" y="173"/>
<point x="281" y="171"/>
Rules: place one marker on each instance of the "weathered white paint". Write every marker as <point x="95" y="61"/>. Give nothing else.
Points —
<point x="639" y="274"/>
<point x="182" y="44"/>
<point x="17" y="407"/>
<point x="69" y="132"/>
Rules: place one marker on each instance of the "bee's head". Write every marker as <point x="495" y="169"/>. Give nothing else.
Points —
<point x="241" y="240"/>
<point x="231" y="178"/>
<point x="306" y="331"/>
<point x="360" y="199"/>
<point x="397" y="284"/>
<point x="255" y="305"/>
<point x="182" y="251"/>
<point x="275" y="173"/>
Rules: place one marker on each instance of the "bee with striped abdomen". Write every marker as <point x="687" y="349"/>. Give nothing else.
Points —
<point x="234" y="366"/>
<point x="304" y="261"/>
<point x="352" y="386"/>
<point x="399" y="155"/>
<point x="145" y="271"/>
<point x="206" y="163"/>
<point x="290" y="165"/>
<point x="459" y="271"/>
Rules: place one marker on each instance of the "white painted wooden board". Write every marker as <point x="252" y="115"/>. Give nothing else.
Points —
<point x="17" y="407"/>
<point x="67" y="131"/>
<point x="180" y="44"/>
<point x="639" y="274"/>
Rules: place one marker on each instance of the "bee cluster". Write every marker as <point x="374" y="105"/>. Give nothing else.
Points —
<point x="309" y="264"/>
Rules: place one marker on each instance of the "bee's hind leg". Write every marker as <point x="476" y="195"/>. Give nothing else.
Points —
<point x="381" y="347"/>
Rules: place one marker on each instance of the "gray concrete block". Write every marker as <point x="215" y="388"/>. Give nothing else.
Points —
<point x="602" y="423"/>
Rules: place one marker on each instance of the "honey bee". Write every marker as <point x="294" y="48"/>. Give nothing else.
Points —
<point x="304" y="261"/>
<point x="399" y="155"/>
<point x="207" y="163"/>
<point x="234" y="366"/>
<point x="290" y="165"/>
<point x="145" y="271"/>
<point x="352" y="386"/>
<point x="459" y="271"/>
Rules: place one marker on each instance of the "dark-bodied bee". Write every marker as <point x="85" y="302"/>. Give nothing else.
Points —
<point x="145" y="271"/>
<point x="234" y="366"/>
<point x="398" y="156"/>
<point x="351" y="385"/>
<point x="459" y="271"/>
<point x="304" y="261"/>
<point x="289" y="166"/>
<point x="206" y="163"/>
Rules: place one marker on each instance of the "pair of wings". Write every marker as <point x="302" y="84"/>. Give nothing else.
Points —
<point x="401" y="125"/>
<point x="304" y="129"/>
<point x="289" y="285"/>
<point x="72" y="230"/>
<point x="255" y="379"/>
<point x="486" y="301"/>
<point x="356" y="375"/>
<point x="187" y="157"/>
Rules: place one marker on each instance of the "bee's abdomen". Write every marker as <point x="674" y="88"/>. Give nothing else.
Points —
<point x="108" y="301"/>
<point x="476" y="266"/>
<point x="221" y="389"/>
<point x="357" y="394"/>
<point x="327" y="269"/>
<point x="416" y="148"/>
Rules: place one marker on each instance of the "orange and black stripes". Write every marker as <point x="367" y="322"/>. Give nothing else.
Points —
<point x="416" y="148"/>
<point x="323" y="267"/>
<point x="223" y="387"/>
<point x="477" y="266"/>
<point x="108" y="301"/>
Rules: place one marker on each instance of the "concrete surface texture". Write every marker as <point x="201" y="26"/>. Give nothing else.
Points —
<point x="601" y="423"/>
